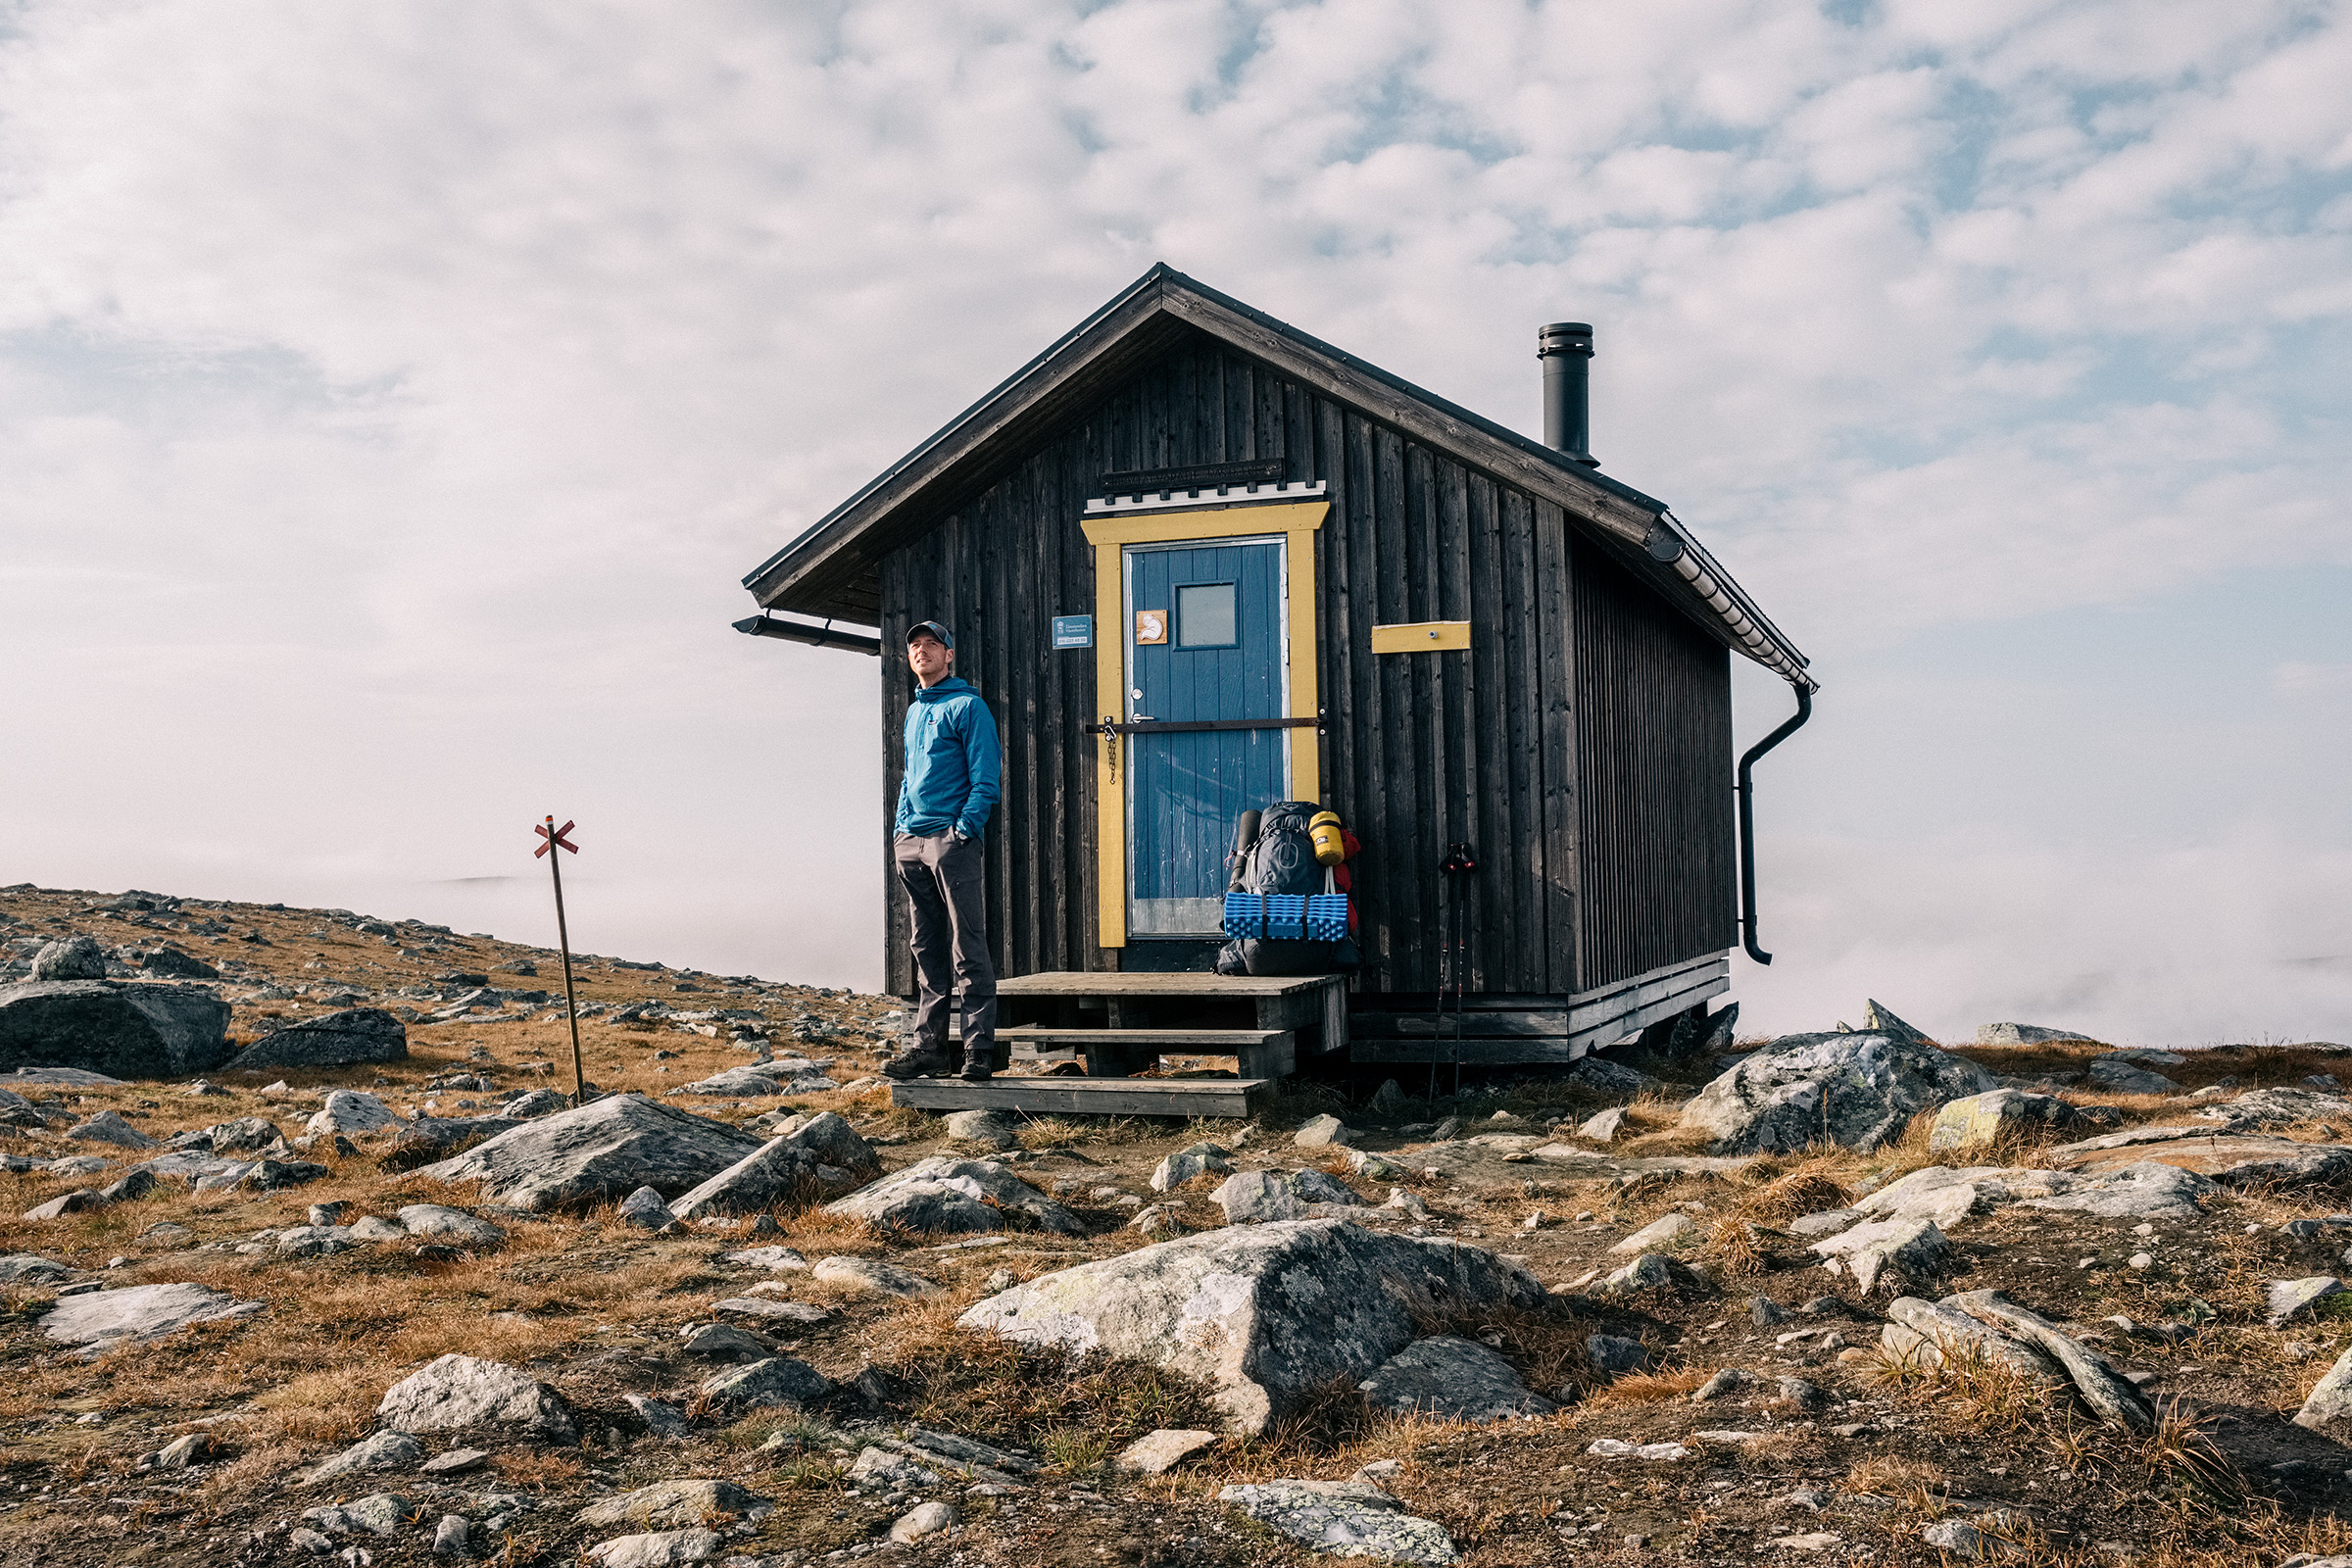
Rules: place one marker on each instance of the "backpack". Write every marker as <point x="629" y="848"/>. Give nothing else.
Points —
<point x="1282" y="861"/>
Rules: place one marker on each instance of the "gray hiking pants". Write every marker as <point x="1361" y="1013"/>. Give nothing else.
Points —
<point x="947" y="903"/>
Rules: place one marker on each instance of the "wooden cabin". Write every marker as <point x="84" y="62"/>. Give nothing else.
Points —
<point x="1188" y="513"/>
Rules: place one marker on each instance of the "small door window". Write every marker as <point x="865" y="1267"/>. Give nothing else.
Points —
<point x="1205" y="617"/>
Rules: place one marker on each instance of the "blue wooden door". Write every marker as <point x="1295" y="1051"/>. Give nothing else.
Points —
<point x="1205" y="640"/>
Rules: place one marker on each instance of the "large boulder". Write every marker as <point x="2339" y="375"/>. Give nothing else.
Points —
<point x="106" y="1318"/>
<point x="2118" y="1075"/>
<point x="74" y="957"/>
<point x="671" y="1504"/>
<point x="606" y="1149"/>
<point x="1857" y="1090"/>
<point x="451" y="1225"/>
<point x="944" y="1194"/>
<point x="1345" y="1518"/>
<point x="2330" y="1403"/>
<point x="124" y="1029"/>
<point x="172" y="964"/>
<point x="2024" y="1034"/>
<point x="457" y="1393"/>
<point x="1877" y="1020"/>
<point x="1446" y="1379"/>
<point x="351" y="1110"/>
<point x="109" y="1127"/>
<point x="431" y="1138"/>
<point x="780" y="1380"/>
<point x="1926" y="1334"/>
<point x="1262" y="1313"/>
<point x="346" y="1039"/>
<point x="1987" y="1118"/>
<point x="244" y="1135"/>
<point x="815" y="1157"/>
<point x="382" y="1450"/>
<point x="1254" y="1197"/>
<point x="2277" y="1107"/>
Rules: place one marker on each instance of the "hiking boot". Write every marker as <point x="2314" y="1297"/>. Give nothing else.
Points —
<point x="977" y="1068"/>
<point x="918" y="1062"/>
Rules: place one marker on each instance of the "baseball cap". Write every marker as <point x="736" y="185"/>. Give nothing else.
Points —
<point x="947" y="638"/>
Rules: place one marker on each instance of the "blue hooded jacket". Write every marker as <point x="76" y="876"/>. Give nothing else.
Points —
<point x="953" y="762"/>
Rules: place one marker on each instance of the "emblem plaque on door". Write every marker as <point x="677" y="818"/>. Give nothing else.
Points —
<point x="1151" y="625"/>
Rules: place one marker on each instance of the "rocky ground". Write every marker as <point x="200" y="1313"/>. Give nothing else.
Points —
<point x="2034" y="1302"/>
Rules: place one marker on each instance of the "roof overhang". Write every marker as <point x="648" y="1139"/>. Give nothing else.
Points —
<point x="832" y="568"/>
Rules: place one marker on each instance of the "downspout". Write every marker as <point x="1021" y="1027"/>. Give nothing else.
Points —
<point x="1670" y="547"/>
<point x="1748" y="821"/>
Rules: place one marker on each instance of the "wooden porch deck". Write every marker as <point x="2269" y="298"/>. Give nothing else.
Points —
<point x="1123" y="1023"/>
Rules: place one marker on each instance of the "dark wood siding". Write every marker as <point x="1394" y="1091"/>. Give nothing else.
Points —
<point x="1653" y="724"/>
<point x="1423" y="749"/>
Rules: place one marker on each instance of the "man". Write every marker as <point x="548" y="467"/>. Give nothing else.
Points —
<point x="952" y="763"/>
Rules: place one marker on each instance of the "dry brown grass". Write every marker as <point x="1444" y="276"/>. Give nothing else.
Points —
<point x="519" y="1467"/>
<point x="1808" y="1186"/>
<point x="1015" y="1395"/>
<point x="1965" y="1388"/>
<point x="1774" y="1450"/>
<point x="1651" y="1388"/>
<point x="1733" y="1249"/>
<point x="2182" y="1450"/>
<point x="1333" y="1429"/>
<point x="1892" y="1476"/>
<point x="2194" y="1534"/>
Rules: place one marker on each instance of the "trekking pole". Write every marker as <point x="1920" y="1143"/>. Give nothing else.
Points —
<point x="1460" y="861"/>
<point x="555" y="838"/>
<point x="1436" y="1039"/>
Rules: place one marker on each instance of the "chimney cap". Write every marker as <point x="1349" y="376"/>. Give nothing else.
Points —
<point x="1564" y="337"/>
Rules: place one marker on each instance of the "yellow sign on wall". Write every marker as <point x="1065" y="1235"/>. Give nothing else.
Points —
<point x="1421" y="637"/>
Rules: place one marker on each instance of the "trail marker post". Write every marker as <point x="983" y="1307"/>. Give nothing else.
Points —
<point x="554" y="839"/>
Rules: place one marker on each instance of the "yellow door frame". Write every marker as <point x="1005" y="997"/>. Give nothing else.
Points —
<point x="1297" y="522"/>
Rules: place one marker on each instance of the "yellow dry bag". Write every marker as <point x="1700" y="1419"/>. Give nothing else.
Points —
<point x="1331" y="847"/>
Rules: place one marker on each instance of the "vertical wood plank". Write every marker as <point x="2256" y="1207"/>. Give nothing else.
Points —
<point x="1554" y="634"/>
<point x="1456" y="713"/>
<point x="1379" y="894"/>
<point x="1401" y="826"/>
<point x="1503" y="945"/>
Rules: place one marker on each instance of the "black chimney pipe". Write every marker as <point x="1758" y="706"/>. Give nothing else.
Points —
<point x="1566" y="350"/>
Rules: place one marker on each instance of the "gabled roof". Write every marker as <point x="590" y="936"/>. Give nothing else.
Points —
<point x="831" y="569"/>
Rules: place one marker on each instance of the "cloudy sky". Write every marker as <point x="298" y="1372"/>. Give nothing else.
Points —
<point x="392" y="397"/>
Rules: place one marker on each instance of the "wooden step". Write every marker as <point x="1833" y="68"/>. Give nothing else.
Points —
<point x="1122" y="1053"/>
<point x="1202" y="1042"/>
<point x="1089" y="1097"/>
<point x="1315" y="1006"/>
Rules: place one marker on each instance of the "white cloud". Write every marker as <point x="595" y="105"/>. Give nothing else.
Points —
<point x="2297" y="679"/>
<point x="2240" y="939"/>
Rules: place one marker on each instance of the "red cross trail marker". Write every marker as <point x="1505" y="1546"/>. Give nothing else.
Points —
<point x="550" y="837"/>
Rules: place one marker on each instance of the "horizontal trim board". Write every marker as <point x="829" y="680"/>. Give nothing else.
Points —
<point x="1402" y="1001"/>
<point x="1591" y="1014"/>
<point x="1116" y="982"/>
<point x="1641" y="1016"/>
<point x="1582" y="998"/>
<point x="1194" y="522"/>
<point x="1227" y="498"/>
<point x="1422" y="637"/>
<point x="1203" y="1042"/>
<point x="1189" y="476"/>
<point x="1473" y="1051"/>
<point x="1477" y="1025"/>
